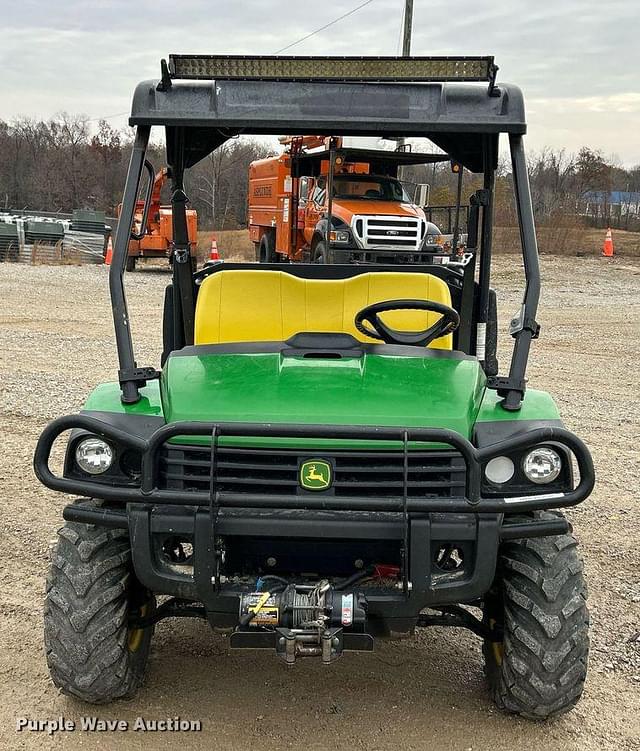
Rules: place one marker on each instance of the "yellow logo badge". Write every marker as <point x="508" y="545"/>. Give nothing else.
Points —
<point x="315" y="474"/>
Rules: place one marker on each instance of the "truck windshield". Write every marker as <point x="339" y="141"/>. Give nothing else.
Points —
<point x="368" y="187"/>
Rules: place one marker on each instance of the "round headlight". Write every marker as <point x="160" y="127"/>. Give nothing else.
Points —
<point x="542" y="465"/>
<point x="94" y="455"/>
<point x="499" y="470"/>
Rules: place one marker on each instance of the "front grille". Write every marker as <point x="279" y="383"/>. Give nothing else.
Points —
<point x="398" y="232"/>
<point x="356" y="474"/>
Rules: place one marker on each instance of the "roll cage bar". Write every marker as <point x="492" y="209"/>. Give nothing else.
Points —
<point x="464" y="119"/>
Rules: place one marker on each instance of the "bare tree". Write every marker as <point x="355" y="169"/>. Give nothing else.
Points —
<point x="218" y="185"/>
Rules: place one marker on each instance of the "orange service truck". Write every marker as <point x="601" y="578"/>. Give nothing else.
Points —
<point x="324" y="203"/>
<point x="154" y="240"/>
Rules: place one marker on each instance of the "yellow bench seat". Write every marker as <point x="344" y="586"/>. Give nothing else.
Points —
<point x="256" y="306"/>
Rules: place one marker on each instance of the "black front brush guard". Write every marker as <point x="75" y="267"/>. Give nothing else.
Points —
<point x="474" y="458"/>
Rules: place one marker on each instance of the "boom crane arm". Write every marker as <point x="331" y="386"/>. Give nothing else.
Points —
<point x="298" y="143"/>
<point x="161" y="177"/>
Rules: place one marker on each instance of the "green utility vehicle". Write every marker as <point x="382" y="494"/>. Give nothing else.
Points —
<point x="327" y="454"/>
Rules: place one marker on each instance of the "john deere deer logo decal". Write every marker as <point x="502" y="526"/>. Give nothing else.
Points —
<point x="315" y="474"/>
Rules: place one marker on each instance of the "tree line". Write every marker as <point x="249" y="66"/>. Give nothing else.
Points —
<point x="566" y="188"/>
<point x="64" y="163"/>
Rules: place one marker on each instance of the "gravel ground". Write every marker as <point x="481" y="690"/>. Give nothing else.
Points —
<point x="423" y="693"/>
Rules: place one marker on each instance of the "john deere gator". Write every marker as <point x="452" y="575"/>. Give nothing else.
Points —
<point x="327" y="454"/>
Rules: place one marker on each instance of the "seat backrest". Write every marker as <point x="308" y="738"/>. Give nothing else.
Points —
<point x="247" y="305"/>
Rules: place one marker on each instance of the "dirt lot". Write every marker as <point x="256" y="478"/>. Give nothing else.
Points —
<point x="427" y="693"/>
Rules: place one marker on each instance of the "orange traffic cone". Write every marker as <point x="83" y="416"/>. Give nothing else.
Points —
<point x="607" y="248"/>
<point x="213" y="253"/>
<point x="109" y="254"/>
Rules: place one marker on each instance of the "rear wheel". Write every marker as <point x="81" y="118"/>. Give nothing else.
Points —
<point x="92" y="651"/>
<point x="537" y="609"/>
<point x="131" y="263"/>
<point x="267" y="251"/>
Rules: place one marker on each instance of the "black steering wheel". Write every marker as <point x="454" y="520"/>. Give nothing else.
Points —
<point x="449" y="321"/>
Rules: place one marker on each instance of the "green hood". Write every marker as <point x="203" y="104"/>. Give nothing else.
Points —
<point x="437" y="389"/>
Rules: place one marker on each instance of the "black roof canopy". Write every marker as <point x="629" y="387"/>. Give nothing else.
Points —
<point x="455" y="116"/>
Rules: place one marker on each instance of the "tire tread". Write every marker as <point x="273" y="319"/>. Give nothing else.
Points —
<point x="85" y="615"/>
<point x="546" y="622"/>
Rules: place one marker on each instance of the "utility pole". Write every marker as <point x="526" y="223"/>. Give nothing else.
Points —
<point x="406" y="51"/>
<point x="408" y="23"/>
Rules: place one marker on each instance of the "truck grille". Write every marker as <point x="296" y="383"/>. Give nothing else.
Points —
<point x="396" y="232"/>
<point x="370" y="474"/>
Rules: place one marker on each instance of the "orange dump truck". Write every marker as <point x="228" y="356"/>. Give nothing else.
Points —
<point x="338" y="204"/>
<point x="154" y="240"/>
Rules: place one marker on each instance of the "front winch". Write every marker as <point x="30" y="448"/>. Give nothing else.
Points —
<point x="303" y="621"/>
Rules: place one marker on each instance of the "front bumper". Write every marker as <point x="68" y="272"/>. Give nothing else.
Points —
<point x="354" y="254"/>
<point x="414" y="527"/>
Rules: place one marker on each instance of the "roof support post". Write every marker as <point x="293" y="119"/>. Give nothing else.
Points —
<point x="332" y="167"/>
<point x="484" y="280"/>
<point x="181" y="250"/>
<point x="456" y="230"/>
<point x="130" y="376"/>
<point x="523" y="326"/>
<point x="467" y="322"/>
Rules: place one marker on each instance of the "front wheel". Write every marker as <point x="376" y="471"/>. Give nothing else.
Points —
<point x="537" y="664"/>
<point x="319" y="254"/>
<point x="93" y="652"/>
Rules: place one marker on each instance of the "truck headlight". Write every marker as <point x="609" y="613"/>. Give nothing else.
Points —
<point x="94" y="456"/>
<point x="340" y="236"/>
<point x="542" y="465"/>
<point x="499" y="470"/>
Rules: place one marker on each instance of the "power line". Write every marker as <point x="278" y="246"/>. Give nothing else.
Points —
<point x="277" y="52"/>
<point x="108" y="117"/>
<point x="322" y="28"/>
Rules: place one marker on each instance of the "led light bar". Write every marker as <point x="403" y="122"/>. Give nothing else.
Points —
<point x="378" y="69"/>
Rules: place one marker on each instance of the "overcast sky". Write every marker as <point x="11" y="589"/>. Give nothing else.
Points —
<point x="578" y="62"/>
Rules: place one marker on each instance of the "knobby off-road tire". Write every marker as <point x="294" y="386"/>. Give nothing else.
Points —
<point x="539" y="668"/>
<point x="92" y="653"/>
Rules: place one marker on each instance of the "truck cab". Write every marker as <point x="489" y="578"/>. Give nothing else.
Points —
<point x="374" y="220"/>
